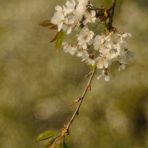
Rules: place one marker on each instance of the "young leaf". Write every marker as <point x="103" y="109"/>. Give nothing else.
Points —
<point x="45" y="135"/>
<point x="59" y="39"/>
<point x="65" y="145"/>
<point x="58" y="144"/>
<point x="50" y="142"/>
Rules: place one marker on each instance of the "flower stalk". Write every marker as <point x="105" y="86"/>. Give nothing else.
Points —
<point x="80" y="101"/>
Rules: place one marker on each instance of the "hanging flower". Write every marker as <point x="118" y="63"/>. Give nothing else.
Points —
<point x="85" y="37"/>
<point x="107" y="48"/>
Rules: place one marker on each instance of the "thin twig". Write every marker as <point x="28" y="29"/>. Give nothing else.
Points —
<point x="76" y="112"/>
<point x="111" y="17"/>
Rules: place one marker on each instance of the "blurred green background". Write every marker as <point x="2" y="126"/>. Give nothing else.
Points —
<point x="38" y="83"/>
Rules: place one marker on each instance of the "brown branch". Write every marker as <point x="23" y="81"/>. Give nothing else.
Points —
<point x="81" y="99"/>
<point x="111" y="16"/>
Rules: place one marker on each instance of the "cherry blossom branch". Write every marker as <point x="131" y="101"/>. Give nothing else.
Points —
<point x="80" y="101"/>
<point x="107" y="48"/>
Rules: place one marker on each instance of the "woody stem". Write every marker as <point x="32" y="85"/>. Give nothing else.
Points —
<point x="76" y="112"/>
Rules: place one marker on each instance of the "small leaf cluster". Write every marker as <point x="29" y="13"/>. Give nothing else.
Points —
<point x="53" y="140"/>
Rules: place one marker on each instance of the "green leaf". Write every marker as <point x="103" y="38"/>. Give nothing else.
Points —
<point x="45" y="135"/>
<point x="59" y="39"/>
<point x="65" y="145"/>
<point x="50" y="142"/>
<point x="58" y="146"/>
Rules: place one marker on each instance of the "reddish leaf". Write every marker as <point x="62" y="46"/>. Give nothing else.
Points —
<point x="54" y="27"/>
<point x="46" y="23"/>
<point x="55" y="38"/>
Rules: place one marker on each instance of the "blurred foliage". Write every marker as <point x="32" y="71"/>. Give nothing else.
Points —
<point x="38" y="83"/>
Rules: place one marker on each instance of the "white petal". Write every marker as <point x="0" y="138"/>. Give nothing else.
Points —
<point x="107" y="78"/>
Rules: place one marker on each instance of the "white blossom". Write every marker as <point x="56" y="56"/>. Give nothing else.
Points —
<point x="69" y="23"/>
<point x="104" y="75"/>
<point x="109" y="48"/>
<point x="70" y="6"/>
<point x="83" y="55"/>
<point x="102" y="62"/>
<point x="121" y="67"/>
<point x="85" y="37"/>
<point x="69" y="16"/>
<point x="59" y="17"/>
<point x="69" y="49"/>
<point x="90" y="17"/>
<point x="98" y="41"/>
<point x="125" y="35"/>
<point x="90" y="61"/>
<point x="81" y="8"/>
<point x="94" y="49"/>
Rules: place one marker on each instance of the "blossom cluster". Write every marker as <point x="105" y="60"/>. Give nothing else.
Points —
<point x="71" y="15"/>
<point x="100" y="50"/>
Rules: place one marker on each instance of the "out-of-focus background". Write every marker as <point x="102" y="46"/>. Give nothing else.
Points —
<point x="38" y="83"/>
